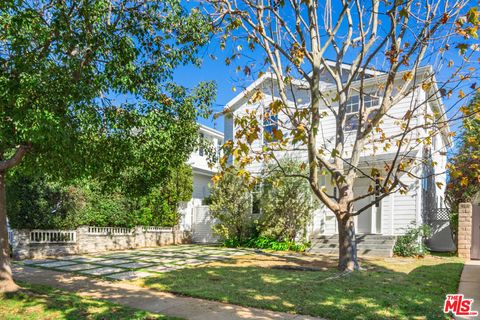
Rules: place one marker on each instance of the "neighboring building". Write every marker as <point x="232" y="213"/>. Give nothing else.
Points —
<point x="397" y="211"/>
<point x="199" y="160"/>
<point x="194" y="213"/>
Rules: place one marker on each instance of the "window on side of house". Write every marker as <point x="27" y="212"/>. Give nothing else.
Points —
<point x="353" y="107"/>
<point x="219" y="148"/>
<point x="351" y="113"/>
<point x="201" y="141"/>
<point x="270" y="123"/>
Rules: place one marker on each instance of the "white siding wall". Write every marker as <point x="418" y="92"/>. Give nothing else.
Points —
<point x="439" y="156"/>
<point x="202" y="175"/>
<point x="391" y="125"/>
<point x="200" y="161"/>
<point x="398" y="210"/>
<point x="201" y="187"/>
<point x="406" y="207"/>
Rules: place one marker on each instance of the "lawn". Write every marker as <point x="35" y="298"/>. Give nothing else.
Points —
<point x="40" y="302"/>
<point x="399" y="288"/>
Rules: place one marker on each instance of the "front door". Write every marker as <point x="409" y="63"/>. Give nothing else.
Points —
<point x="368" y="221"/>
<point x="475" y="249"/>
<point x="364" y="219"/>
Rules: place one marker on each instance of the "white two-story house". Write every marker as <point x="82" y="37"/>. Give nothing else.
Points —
<point x="397" y="211"/>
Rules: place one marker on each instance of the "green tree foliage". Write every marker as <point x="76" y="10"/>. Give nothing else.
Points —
<point x="35" y="203"/>
<point x="273" y="215"/>
<point x="464" y="167"/>
<point x="160" y="206"/>
<point x="286" y="202"/>
<point x="65" y="67"/>
<point x="85" y="90"/>
<point x="231" y="206"/>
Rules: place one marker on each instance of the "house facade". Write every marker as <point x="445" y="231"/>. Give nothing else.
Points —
<point x="426" y="183"/>
<point x="194" y="213"/>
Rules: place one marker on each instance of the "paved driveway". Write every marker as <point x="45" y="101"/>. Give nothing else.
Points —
<point x="139" y="263"/>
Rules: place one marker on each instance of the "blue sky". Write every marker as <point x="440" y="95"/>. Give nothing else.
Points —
<point x="226" y="77"/>
<point x="223" y="75"/>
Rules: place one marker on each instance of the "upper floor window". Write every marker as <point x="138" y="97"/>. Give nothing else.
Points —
<point x="219" y="148"/>
<point x="352" y="108"/>
<point x="201" y="142"/>
<point x="270" y="123"/>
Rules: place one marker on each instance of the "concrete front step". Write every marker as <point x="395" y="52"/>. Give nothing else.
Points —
<point x="358" y="237"/>
<point x="359" y="242"/>
<point x="367" y="245"/>
<point x="360" y="252"/>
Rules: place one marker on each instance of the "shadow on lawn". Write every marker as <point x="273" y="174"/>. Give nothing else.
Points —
<point x="379" y="293"/>
<point x="40" y="302"/>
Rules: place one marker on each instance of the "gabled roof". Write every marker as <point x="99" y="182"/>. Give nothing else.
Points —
<point x="211" y="131"/>
<point x="425" y="71"/>
<point x="348" y="66"/>
<point x="232" y="104"/>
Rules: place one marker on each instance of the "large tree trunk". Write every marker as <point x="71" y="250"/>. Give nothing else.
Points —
<point x="347" y="246"/>
<point x="6" y="279"/>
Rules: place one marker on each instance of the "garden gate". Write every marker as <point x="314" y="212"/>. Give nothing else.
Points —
<point x="202" y="225"/>
<point x="439" y="221"/>
<point x="475" y="249"/>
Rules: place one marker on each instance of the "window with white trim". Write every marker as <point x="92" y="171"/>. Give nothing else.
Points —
<point x="352" y="108"/>
<point x="270" y="123"/>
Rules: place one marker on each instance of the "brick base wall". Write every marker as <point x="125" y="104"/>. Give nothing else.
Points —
<point x="465" y="212"/>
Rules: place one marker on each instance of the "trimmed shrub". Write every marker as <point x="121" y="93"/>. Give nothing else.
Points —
<point x="286" y="203"/>
<point x="231" y="206"/>
<point x="411" y="244"/>
<point x="267" y="243"/>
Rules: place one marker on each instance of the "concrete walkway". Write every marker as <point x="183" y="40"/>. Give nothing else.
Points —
<point x="470" y="284"/>
<point x="145" y="299"/>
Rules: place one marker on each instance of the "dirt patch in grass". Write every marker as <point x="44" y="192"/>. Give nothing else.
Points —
<point x="288" y="261"/>
<point x="276" y="260"/>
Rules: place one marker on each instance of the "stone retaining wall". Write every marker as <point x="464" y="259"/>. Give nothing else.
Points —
<point x="138" y="237"/>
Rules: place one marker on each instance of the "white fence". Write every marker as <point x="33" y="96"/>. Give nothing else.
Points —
<point x="53" y="236"/>
<point x="109" y="230"/>
<point x="10" y="237"/>
<point x="202" y="225"/>
<point x="157" y="229"/>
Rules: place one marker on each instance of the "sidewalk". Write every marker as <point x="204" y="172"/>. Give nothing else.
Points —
<point x="470" y="284"/>
<point x="145" y="299"/>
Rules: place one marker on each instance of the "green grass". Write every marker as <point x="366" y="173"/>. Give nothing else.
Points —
<point x="402" y="288"/>
<point x="40" y="302"/>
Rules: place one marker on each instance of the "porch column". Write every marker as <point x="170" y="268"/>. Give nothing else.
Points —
<point x="464" y="230"/>
<point x="373" y="224"/>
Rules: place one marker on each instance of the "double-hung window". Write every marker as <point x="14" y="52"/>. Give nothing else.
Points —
<point x="353" y="107"/>
<point x="202" y="141"/>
